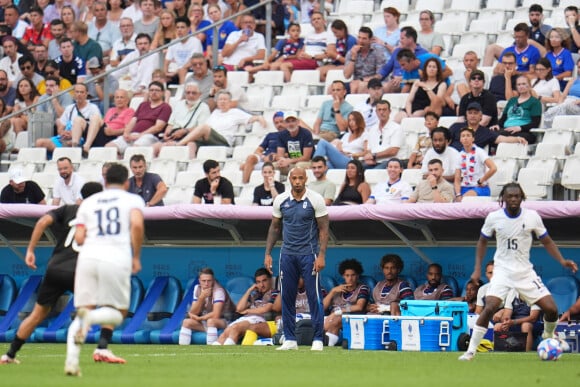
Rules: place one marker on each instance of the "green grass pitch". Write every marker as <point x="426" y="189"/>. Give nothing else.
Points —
<point x="197" y="365"/>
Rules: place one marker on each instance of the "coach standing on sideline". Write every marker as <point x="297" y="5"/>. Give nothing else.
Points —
<point x="304" y="217"/>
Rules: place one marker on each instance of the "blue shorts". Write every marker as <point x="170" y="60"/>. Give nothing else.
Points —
<point x="56" y="141"/>
<point x="481" y="191"/>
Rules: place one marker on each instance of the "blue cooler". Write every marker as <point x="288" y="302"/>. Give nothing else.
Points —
<point x="426" y="334"/>
<point x="456" y="310"/>
<point x="360" y="331"/>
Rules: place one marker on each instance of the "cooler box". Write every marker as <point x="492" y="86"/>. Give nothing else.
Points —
<point x="427" y="334"/>
<point x="456" y="310"/>
<point x="572" y="333"/>
<point x="369" y="332"/>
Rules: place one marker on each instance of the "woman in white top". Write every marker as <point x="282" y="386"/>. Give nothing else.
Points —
<point x="352" y="145"/>
<point x="471" y="179"/>
<point x="546" y="88"/>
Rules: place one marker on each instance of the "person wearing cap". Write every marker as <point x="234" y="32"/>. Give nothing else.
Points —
<point x="363" y="61"/>
<point x="266" y="151"/>
<point x="484" y="137"/>
<point x="95" y="67"/>
<point x="478" y="94"/>
<point x="101" y="29"/>
<point x="295" y="146"/>
<point x="331" y="122"/>
<point x="21" y="190"/>
<point x="368" y="107"/>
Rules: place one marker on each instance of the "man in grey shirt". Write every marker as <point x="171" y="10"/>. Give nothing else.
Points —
<point x="324" y="187"/>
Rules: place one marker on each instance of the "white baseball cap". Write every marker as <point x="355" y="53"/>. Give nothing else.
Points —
<point x="290" y="114"/>
<point x="17" y="176"/>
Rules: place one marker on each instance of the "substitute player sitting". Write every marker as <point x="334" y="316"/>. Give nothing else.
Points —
<point x="513" y="228"/>
<point x="206" y="314"/>
<point x="389" y="292"/>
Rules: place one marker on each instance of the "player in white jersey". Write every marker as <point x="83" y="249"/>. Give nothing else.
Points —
<point x="109" y="230"/>
<point x="513" y="227"/>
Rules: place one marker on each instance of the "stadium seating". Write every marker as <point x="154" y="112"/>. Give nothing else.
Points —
<point x="57" y="328"/>
<point x="237" y="286"/>
<point x="20" y="308"/>
<point x="452" y="282"/>
<point x="8" y="292"/>
<point x="564" y="290"/>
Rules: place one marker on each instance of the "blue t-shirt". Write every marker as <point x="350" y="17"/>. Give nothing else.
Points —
<point x="294" y="146"/>
<point x="299" y="225"/>
<point x="561" y="63"/>
<point x="422" y="58"/>
<point x="530" y="56"/>
<point x="289" y="47"/>
<point x="202" y="24"/>
<point x="270" y="143"/>
<point x="392" y="66"/>
<point x="148" y="187"/>
<point x="223" y="33"/>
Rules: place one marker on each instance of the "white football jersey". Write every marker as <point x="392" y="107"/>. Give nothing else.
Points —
<point x="514" y="238"/>
<point x="106" y="217"/>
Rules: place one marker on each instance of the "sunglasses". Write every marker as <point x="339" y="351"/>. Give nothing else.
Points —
<point x="477" y="78"/>
<point x="219" y="68"/>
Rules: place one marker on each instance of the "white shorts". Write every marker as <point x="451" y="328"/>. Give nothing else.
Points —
<point x="529" y="286"/>
<point x="145" y="140"/>
<point x="102" y="283"/>
<point x="252" y="319"/>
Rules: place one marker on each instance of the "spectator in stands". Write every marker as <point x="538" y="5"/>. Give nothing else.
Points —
<point x="26" y="95"/>
<point x="363" y="61"/>
<point x="85" y="47"/>
<point x="21" y="190"/>
<point x="150" y="119"/>
<point x="522" y="113"/>
<point x="220" y="83"/>
<point x="434" y="188"/>
<point x="73" y="122"/>
<point x="26" y="64"/>
<point x="148" y="185"/>
<point x="344" y="43"/>
<point x="394" y="190"/>
<point x="57" y="105"/>
<point x="195" y="15"/>
<point x="37" y="32"/>
<point x="286" y="49"/>
<point x="449" y="156"/>
<point x="423" y="141"/>
<point x="7" y="93"/>
<point x="569" y="102"/>
<point x="187" y="114"/>
<point x="225" y="29"/>
<point x="393" y="289"/>
<point x="12" y="20"/>
<point x="476" y="168"/>
<point x="571" y="16"/>
<point x="209" y="305"/>
<point x="348" y="298"/>
<point x="178" y="54"/>
<point x="368" y="108"/>
<point x="384" y="139"/>
<point x="483" y="97"/>
<point x="68" y="16"/>
<point x="354" y="190"/>
<point x="243" y="47"/>
<point x="427" y="94"/>
<point x="201" y="75"/>
<point x="533" y="35"/>
<point x="256" y="302"/>
<point x="166" y="31"/>
<point x="426" y="36"/>
<point x="413" y="67"/>
<point x="558" y="53"/>
<point x="115" y="11"/>
<point x="527" y="55"/>
<point x="67" y="186"/>
<point x="97" y="87"/>
<point x="291" y="13"/>
<point x="295" y="144"/>
<point x="132" y="10"/>
<point x="102" y="30"/>
<point x="518" y="316"/>
<point x="321" y="184"/>
<point x="10" y="61"/>
<point x="70" y="66"/>
<point x="484" y="137"/>
<point x="266" y="151"/>
<point x="545" y="87"/>
<point x="352" y="145"/>
<point x="139" y="73"/>
<point x="461" y="84"/>
<point x="332" y="122"/>
<point x="158" y="75"/>
<point x="57" y="31"/>
<point x="51" y="69"/>
<point x="221" y="126"/>
<point x="40" y="55"/>
<point x="213" y="188"/>
<point x="392" y="69"/>
<point x="179" y="7"/>
<point x="149" y="22"/>
<point x="319" y="45"/>
<point x="265" y="193"/>
<point x="388" y="36"/>
<point x="102" y="131"/>
<point x="434" y="289"/>
<point x="53" y="11"/>
<point x="235" y="6"/>
<point x="125" y="44"/>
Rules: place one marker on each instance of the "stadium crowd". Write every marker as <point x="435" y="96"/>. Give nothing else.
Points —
<point x="394" y="113"/>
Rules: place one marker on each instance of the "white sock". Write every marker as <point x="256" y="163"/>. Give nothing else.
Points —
<point x="73" y="350"/>
<point x="549" y="328"/>
<point x="184" y="336"/>
<point x="105" y="316"/>
<point x="229" y="341"/>
<point x="211" y="335"/>
<point x="332" y="339"/>
<point x="476" y="337"/>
